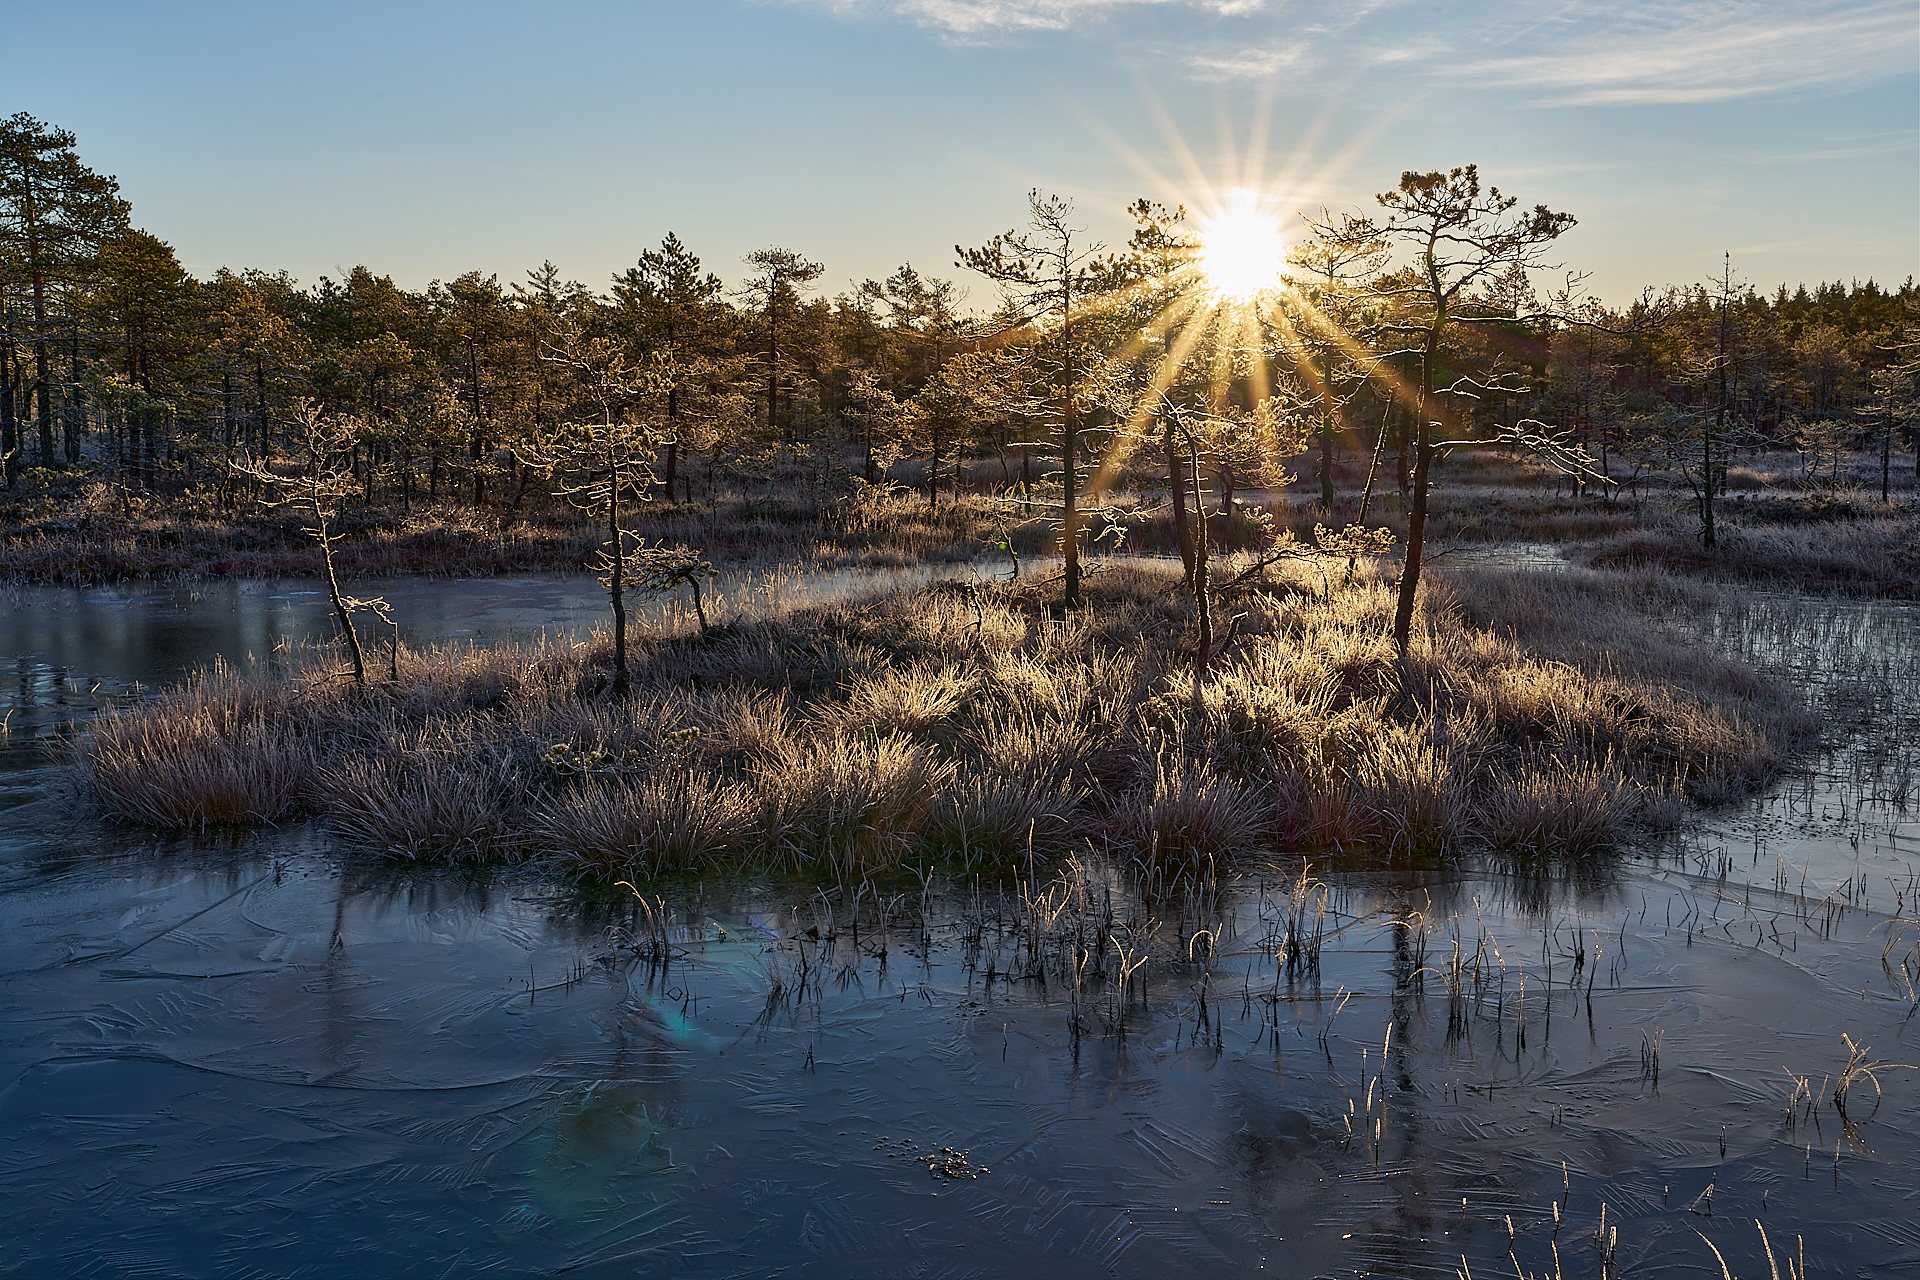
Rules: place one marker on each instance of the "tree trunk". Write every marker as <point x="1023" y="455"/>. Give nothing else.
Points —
<point x="76" y="410"/>
<point x="9" y="381"/>
<point x="1416" y="541"/>
<point x="614" y="582"/>
<point x="137" y="428"/>
<point x="150" y="449"/>
<point x="1069" y="451"/>
<point x="1177" y="488"/>
<point x="1402" y="474"/>
<point x="340" y="612"/>
<point x="228" y="433"/>
<point x="43" y="383"/>
<point x="476" y="444"/>
<point x="673" y="425"/>
<point x="1226" y="506"/>
<point x="263" y="454"/>
<point x="1366" y="492"/>
<point x="1886" y="458"/>
<point x="773" y="357"/>
<point x="1707" y="534"/>
<point x="1417" y="504"/>
<point x="1202" y="602"/>
<point x="1326" y="466"/>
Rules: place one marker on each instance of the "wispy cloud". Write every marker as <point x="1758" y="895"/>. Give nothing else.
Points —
<point x="1247" y="64"/>
<point x="1564" y="52"/>
<point x="1705" y="52"/>
<point x="981" y="17"/>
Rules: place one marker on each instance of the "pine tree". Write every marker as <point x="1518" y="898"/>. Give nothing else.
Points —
<point x="665" y="300"/>
<point x="1465" y="242"/>
<point x="54" y="215"/>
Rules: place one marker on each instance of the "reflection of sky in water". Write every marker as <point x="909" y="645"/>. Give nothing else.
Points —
<point x="156" y="633"/>
<point x="258" y="1056"/>
<point x="75" y="649"/>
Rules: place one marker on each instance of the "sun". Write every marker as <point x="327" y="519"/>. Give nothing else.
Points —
<point x="1242" y="249"/>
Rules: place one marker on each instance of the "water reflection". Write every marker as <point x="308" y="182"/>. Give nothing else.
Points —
<point x="154" y="634"/>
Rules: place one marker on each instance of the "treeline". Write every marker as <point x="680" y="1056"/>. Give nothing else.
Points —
<point x="115" y="361"/>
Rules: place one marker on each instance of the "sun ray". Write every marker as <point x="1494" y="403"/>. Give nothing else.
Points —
<point x="1233" y="317"/>
<point x="1260" y="383"/>
<point x="1174" y="358"/>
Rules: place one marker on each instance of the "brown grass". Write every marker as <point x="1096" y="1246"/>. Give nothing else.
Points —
<point x="677" y="820"/>
<point x="91" y="538"/>
<point x="1546" y="712"/>
<point x="1871" y="553"/>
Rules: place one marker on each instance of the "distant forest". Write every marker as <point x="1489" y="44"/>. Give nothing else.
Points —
<point x="116" y="363"/>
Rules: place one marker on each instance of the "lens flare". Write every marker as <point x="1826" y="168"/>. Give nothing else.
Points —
<point x="1242" y="249"/>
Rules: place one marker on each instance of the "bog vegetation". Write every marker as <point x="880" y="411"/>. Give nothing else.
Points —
<point x="970" y="724"/>
<point x="1103" y="400"/>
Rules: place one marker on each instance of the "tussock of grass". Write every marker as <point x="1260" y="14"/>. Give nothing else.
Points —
<point x="854" y="803"/>
<point x="414" y="803"/>
<point x="1534" y="711"/>
<point x="1189" y="815"/>
<point x="677" y="820"/>
<point x="1558" y="809"/>
<point x="213" y="753"/>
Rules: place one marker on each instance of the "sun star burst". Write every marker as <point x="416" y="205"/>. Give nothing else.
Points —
<point x="1242" y="249"/>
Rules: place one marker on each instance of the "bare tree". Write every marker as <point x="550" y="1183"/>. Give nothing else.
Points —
<point x="1720" y="366"/>
<point x="602" y="463"/>
<point x="1896" y="392"/>
<point x="322" y="446"/>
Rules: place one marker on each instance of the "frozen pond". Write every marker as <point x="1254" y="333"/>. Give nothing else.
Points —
<point x="264" y="1057"/>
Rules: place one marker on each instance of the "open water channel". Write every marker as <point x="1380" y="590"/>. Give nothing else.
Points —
<point x="262" y="1056"/>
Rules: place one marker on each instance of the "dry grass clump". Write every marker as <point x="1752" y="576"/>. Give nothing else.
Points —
<point x="195" y="774"/>
<point x="414" y="805"/>
<point x="1558" y="808"/>
<point x="215" y="751"/>
<point x="1033" y="796"/>
<point x="855" y="803"/>
<point x="1190" y="816"/>
<point x="678" y="820"/>
<point x="1545" y="712"/>
<point x="917" y="700"/>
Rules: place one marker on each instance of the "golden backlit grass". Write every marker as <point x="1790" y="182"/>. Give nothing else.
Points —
<point x="969" y="723"/>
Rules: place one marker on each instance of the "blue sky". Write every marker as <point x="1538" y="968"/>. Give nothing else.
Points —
<point x="428" y="139"/>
